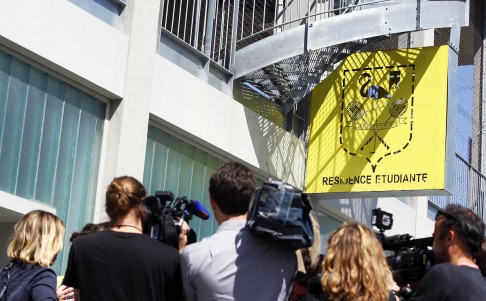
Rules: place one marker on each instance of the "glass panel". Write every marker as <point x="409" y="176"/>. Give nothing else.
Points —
<point x="50" y="140"/>
<point x="160" y="162"/>
<point x="209" y="226"/>
<point x="185" y="171"/>
<point x="97" y="109"/>
<point x="5" y="63"/>
<point x="185" y="174"/>
<point x="50" y="143"/>
<point x="198" y="186"/>
<point x="67" y="150"/>
<point x="13" y="121"/>
<point x="26" y="180"/>
<point x="173" y="165"/>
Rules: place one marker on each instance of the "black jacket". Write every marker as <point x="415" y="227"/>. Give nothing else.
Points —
<point x="29" y="282"/>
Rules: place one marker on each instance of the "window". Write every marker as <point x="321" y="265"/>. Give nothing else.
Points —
<point x="108" y="11"/>
<point x="50" y="142"/>
<point x="174" y="165"/>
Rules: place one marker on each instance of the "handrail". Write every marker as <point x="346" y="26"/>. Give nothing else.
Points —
<point x="469" y="190"/>
<point x="470" y="166"/>
<point x="212" y="27"/>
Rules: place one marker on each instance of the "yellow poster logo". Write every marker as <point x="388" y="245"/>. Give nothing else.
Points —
<point x="378" y="123"/>
<point x="376" y="119"/>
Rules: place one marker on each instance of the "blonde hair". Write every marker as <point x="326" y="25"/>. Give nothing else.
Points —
<point x="37" y="238"/>
<point x="355" y="266"/>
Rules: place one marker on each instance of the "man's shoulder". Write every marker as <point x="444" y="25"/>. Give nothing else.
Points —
<point x="452" y="268"/>
<point x="201" y="246"/>
<point x="450" y="273"/>
<point x="441" y="269"/>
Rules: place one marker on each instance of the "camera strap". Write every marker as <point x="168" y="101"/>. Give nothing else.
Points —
<point x="5" y="279"/>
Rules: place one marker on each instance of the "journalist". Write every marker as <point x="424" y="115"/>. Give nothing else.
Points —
<point x="458" y="235"/>
<point x="355" y="267"/>
<point x="122" y="263"/>
<point x="36" y="241"/>
<point x="233" y="264"/>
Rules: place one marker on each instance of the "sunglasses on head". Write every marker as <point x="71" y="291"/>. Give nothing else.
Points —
<point x="441" y="213"/>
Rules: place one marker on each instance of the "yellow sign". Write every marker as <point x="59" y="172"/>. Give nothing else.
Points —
<point x="378" y="124"/>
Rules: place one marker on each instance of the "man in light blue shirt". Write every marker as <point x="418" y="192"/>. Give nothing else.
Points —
<point x="233" y="264"/>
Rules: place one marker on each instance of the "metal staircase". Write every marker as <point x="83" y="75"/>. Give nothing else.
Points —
<point x="286" y="60"/>
<point x="287" y="82"/>
<point x="281" y="49"/>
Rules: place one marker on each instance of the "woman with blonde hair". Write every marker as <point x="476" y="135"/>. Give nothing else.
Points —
<point x="355" y="267"/>
<point x="36" y="241"/>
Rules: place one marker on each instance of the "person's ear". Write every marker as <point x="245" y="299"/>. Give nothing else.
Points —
<point x="451" y="236"/>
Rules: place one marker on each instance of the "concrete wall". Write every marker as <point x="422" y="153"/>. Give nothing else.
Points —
<point x="409" y="213"/>
<point x="207" y="116"/>
<point x="67" y="40"/>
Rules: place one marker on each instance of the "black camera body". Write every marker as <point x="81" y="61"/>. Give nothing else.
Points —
<point x="165" y="215"/>
<point x="411" y="257"/>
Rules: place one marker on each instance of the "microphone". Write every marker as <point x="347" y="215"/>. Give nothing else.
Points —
<point x="198" y="210"/>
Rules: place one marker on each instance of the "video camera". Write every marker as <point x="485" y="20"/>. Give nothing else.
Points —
<point x="411" y="257"/>
<point x="166" y="215"/>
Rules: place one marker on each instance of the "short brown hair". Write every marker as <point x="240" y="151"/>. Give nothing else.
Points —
<point x="37" y="238"/>
<point x="231" y="187"/>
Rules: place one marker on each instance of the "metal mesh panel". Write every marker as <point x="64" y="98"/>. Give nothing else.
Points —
<point x="469" y="181"/>
<point x="469" y="188"/>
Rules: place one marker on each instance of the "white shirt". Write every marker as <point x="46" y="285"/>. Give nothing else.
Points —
<point x="233" y="264"/>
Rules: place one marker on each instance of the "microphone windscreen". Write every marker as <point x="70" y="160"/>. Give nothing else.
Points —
<point x="200" y="211"/>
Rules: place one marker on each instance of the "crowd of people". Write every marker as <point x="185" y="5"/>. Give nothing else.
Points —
<point x="117" y="261"/>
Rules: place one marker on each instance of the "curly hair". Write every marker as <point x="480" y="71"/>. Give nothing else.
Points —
<point x="355" y="266"/>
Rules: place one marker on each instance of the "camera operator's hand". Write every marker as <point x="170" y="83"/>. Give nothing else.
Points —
<point x="183" y="236"/>
<point x="394" y="288"/>
<point x="65" y="293"/>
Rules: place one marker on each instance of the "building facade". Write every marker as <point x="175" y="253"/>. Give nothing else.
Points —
<point x="92" y="90"/>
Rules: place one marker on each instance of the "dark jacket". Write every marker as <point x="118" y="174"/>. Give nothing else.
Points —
<point x="29" y="282"/>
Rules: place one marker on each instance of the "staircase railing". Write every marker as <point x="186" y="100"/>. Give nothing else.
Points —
<point x="215" y="29"/>
<point x="469" y="188"/>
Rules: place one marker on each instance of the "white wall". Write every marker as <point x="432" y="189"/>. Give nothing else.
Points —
<point x="67" y="40"/>
<point x="409" y="213"/>
<point x="211" y="118"/>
